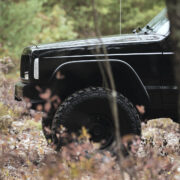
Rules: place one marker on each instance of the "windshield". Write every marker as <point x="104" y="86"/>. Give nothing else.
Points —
<point x="159" y="24"/>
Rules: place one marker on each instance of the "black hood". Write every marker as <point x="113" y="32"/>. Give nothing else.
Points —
<point x="110" y="40"/>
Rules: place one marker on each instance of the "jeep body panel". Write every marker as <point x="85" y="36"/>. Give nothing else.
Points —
<point x="141" y="64"/>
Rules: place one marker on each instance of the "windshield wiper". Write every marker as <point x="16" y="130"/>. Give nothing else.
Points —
<point x="149" y="28"/>
<point x="137" y="30"/>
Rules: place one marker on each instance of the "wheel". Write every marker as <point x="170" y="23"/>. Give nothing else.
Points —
<point x="90" y="108"/>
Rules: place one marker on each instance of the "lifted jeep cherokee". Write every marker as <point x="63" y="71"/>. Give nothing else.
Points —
<point x="69" y="74"/>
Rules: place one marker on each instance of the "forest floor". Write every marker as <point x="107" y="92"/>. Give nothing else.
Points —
<point x="24" y="153"/>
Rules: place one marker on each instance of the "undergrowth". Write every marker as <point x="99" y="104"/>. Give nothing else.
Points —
<point x="24" y="153"/>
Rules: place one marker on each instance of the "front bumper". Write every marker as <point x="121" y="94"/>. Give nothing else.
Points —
<point x="29" y="91"/>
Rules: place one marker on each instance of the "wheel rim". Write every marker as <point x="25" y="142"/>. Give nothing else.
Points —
<point x="95" y="116"/>
<point x="101" y="130"/>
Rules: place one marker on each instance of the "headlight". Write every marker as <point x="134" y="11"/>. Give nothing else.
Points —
<point x="36" y="68"/>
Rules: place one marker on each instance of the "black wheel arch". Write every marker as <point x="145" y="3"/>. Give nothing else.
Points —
<point x="85" y="73"/>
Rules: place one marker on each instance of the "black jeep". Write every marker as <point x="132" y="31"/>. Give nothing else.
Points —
<point x="71" y="81"/>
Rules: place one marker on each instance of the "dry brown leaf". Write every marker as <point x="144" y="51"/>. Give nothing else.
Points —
<point x="46" y="95"/>
<point x="141" y="109"/>
<point x="59" y="75"/>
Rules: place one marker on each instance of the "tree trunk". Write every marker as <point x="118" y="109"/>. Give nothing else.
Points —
<point x="173" y="7"/>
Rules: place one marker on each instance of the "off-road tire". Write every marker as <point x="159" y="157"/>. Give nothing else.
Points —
<point x="129" y="123"/>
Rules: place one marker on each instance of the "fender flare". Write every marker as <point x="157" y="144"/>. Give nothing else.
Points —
<point x="146" y="100"/>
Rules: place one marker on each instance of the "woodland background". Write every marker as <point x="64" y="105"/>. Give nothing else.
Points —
<point x="24" y="153"/>
<point x="27" y="22"/>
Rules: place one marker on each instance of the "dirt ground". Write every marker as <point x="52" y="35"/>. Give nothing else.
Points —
<point x="24" y="148"/>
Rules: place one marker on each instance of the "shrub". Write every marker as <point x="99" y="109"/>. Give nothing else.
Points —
<point x="25" y="23"/>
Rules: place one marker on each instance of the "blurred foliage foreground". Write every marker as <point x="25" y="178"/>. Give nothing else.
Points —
<point x="27" y="22"/>
<point x="24" y="153"/>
